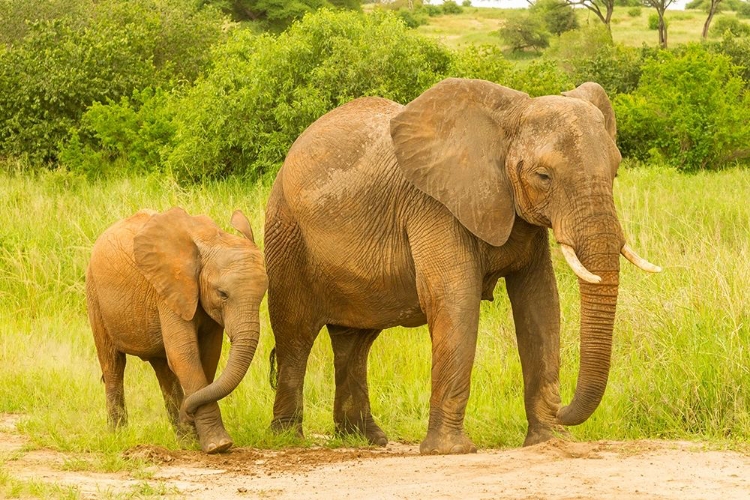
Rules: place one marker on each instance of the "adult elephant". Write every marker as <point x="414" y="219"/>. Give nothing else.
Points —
<point x="386" y="215"/>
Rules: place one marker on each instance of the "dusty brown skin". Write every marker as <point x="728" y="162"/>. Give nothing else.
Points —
<point x="164" y="287"/>
<point x="386" y="215"/>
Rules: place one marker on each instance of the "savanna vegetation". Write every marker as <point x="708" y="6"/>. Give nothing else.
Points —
<point x="109" y="106"/>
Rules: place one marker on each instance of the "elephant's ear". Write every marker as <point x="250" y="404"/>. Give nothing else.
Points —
<point x="596" y="95"/>
<point x="168" y="257"/>
<point x="451" y="143"/>
<point x="241" y="224"/>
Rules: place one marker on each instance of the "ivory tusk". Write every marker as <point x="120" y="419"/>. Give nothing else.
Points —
<point x="572" y="259"/>
<point x="638" y="261"/>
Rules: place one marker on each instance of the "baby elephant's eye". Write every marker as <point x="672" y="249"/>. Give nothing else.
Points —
<point x="223" y="295"/>
<point x="543" y="176"/>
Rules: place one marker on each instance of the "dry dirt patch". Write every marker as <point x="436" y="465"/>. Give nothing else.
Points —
<point x="553" y="470"/>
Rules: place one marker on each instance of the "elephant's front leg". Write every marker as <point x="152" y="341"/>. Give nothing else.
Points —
<point x="184" y="357"/>
<point x="452" y="309"/>
<point x="536" y="313"/>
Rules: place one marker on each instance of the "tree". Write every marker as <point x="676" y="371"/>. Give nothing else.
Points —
<point x="522" y="31"/>
<point x="712" y="7"/>
<point x="276" y="14"/>
<point x="558" y="15"/>
<point x="602" y="8"/>
<point x="661" y="7"/>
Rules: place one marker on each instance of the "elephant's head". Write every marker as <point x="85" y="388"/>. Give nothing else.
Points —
<point x="491" y="154"/>
<point x="190" y="260"/>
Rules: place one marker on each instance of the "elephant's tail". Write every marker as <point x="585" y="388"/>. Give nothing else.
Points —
<point x="273" y="375"/>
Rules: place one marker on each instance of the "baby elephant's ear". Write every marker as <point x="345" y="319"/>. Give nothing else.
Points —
<point x="168" y="257"/>
<point x="241" y="224"/>
<point x="596" y="95"/>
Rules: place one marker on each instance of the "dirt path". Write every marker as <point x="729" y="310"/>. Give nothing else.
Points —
<point x="553" y="470"/>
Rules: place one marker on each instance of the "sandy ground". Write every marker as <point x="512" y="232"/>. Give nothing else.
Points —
<point x="553" y="470"/>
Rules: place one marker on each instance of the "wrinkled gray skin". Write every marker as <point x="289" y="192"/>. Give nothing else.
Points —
<point x="386" y="215"/>
<point x="164" y="287"/>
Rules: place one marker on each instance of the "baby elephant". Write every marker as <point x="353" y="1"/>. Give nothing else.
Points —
<point x="163" y="287"/>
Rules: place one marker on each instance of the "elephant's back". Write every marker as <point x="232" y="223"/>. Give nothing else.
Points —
<point x="340" y="155"/>
<point x="126" y="301"/>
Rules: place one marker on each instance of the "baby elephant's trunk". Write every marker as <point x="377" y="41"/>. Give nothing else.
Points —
<point x="244" y="343"/>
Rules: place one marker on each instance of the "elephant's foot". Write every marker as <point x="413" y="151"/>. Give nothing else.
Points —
<point x="446" y="443"/>
<point x="365" y="427"/>
<point x="540" y="434"/>
<point x="281" y="425"/>
<point x="215" y="440"/>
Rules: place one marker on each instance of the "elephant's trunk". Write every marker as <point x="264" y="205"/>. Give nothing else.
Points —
<point x="244" y="342"/>
<point x="600" y="256"/>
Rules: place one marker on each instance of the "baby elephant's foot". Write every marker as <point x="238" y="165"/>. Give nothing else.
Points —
<point x="541" y="434"/>
<point x="446" y="443"/>
<point x="215" y="441"/>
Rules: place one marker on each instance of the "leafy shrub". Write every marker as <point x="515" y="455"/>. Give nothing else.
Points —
<point x="743" y="10"/>
<point x="557" y="15"/>
<point x="432" y="10"/>
<point x="588" y="54"/>
<point x="132" y="132"/>
<point x="523" y="31"/>
<point x="412" y="18"/>
<point x="691" y="109"/>
<point x="635" y="11"/>
<point x="731" y="24"/>
<point x="485" y="62"/>
<point x="466" y="3"/>
<point x="263" y="91"/>
<point x="451" y="7"/>
<point x="653" y="21"/>
<point x="738" y="50"/>
<point x="276" y="15"/>
<point x="60" y="67"/>
<point x="540" y="78"/>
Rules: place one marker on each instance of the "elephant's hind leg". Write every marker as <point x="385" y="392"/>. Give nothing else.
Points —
<point x="112" y="362"/>
<point x="351" y="410"/>
<point x="170" y="389"/>
<point x="295" y="335"/>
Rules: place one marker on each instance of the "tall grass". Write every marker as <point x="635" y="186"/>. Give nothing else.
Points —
<point x="680" y="364"/>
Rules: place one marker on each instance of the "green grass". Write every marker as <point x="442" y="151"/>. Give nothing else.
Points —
<point x="477" y="25"/>
<point x="681" y="358"/>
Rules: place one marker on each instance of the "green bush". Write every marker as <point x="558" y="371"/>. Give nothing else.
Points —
<point x="451" y="7"/>
<point x="540" y="78"/>
<point x="523" y="31"/>
<point x="485" y="62"/>
<point x="738" y="50"/>
<point x="276" y="15"/>
<point x="557" y="15"/>
<point x="263" y="91"/>
<point x="412" y="18"/>
<point x="60" y="67"/>
<point x="691" y="109"/>
<point x="466" y="3"/>
<point x="588" y="54"/>
<point x="731" y="24"/>
<point x="743" y="10"/>
<point x="432" y="10"/>
<point x="130" y="134"/>
<point x="635" y="12"/>
<point x="653" y="21"/>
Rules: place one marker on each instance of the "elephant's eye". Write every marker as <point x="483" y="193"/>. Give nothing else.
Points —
<point x="543" y="176"/>
<point x="223" y="295"/>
